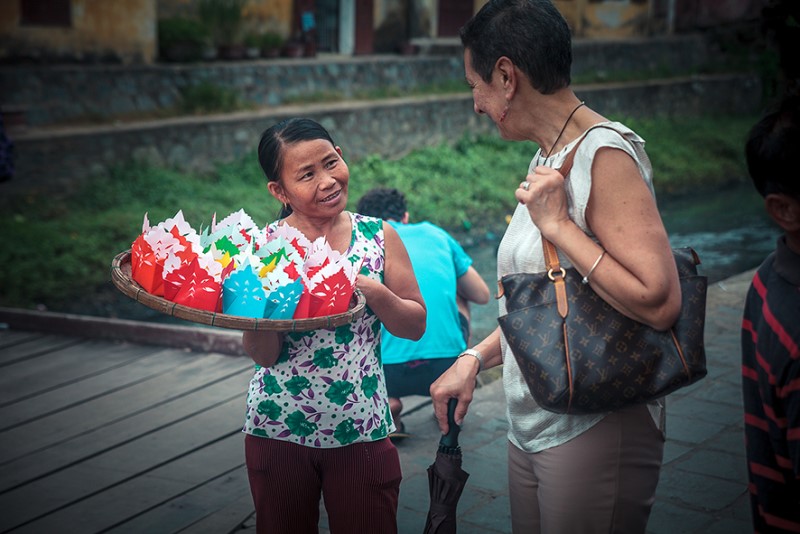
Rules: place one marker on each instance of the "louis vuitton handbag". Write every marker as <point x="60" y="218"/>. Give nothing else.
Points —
<point x="579" y="355"/>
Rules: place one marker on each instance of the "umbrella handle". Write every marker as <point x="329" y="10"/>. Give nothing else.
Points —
<point x="451" y="438"/>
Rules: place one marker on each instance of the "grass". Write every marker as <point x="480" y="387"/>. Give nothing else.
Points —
<point x="55" y="249"/>
<point x="207" y="97"/>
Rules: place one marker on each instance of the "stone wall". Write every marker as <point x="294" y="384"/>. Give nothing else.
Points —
<point x="51" y="157"/>
<point x="69" y="93"/>
<point x="56" y="158"/>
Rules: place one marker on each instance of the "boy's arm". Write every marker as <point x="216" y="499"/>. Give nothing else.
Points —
<point x="471" y="287"/>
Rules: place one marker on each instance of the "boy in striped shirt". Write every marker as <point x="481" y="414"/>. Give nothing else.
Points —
<point x="771" y="329"/>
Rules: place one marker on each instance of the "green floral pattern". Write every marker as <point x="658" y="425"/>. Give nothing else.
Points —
<point x="327" y="388"/>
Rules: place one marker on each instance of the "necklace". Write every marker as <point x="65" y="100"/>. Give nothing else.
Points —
<point x="549" y="152"/>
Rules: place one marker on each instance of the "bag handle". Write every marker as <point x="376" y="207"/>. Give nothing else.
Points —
<point x="555" y="272"/>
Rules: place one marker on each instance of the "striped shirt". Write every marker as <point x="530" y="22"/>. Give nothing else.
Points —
<point x="771" y="391"/>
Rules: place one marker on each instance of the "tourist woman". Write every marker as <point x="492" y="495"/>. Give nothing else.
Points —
<point x="567" y="473"/>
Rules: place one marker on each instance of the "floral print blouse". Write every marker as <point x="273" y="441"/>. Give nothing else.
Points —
<point x="327" y="388"/>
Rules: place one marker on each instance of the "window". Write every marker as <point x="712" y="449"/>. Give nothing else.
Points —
<point x="46" y="13"/>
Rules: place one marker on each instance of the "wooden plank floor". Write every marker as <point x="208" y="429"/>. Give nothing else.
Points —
<point x="104" y="436"/>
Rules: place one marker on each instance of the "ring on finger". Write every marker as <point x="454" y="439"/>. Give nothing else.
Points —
<point x="525" y="185"/>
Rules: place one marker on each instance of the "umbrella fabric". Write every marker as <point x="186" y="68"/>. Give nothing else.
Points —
<point x="446" y="480"/>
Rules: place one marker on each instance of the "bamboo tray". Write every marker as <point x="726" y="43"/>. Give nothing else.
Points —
<point x="121" y="277"/>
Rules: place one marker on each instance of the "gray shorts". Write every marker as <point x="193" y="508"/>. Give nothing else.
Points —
<point x="415" y="377"/>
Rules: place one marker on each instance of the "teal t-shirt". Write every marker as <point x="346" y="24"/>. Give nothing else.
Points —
<point x="438" y="261"/>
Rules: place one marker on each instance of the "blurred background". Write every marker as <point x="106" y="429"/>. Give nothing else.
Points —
<point x="150" y="31"/>
<point x="111" y="110"/>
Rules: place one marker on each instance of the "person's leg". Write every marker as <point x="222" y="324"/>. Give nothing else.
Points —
<point x="361" y="487"/>
<point x="411" y="378"/>
<point x="284" y="485"/>
<point x="523" y="491"/>
<point x="609" y="473"/>
<point x="396" y="407"/>
<point x="397" y="385"/>
<point x="642" y="455"/>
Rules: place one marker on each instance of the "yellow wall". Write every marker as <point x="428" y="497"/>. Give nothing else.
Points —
<point x="269" y="15"/>
<point x="122" y="29"/>
<point x="618" y="18"/>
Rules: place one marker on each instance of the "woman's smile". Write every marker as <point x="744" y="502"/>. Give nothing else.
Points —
<point x="331" y="198"/>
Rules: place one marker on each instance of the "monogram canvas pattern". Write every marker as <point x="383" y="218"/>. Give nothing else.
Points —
<point x="597" y="359"/>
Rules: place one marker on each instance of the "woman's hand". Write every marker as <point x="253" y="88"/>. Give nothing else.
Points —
<point x="367" y="286"/>
<point x="543" y="194"/>
<point x="263" y="346"/>
<point x="637" y="274"/>
<point x="458" y="382"/>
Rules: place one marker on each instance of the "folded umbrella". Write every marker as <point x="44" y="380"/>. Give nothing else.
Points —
<point x="446" y="479"/>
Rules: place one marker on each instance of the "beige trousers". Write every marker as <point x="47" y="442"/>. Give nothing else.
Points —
<point x="603" y="481"/>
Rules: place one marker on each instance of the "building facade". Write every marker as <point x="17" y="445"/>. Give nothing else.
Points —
<point x="126" y="31"/>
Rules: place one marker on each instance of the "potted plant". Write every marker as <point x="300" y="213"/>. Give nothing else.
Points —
<point x="181" y="39"/>
<point x="224" y="19"/>
<point x="252" y="43"/>
<point x="271" y="44"/>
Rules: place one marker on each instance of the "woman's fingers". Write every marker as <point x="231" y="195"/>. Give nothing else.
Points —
<point x="543" y="194"/>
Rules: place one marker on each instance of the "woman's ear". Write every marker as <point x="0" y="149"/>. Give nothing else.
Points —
<point x="784" y="210"/>
<point x="276" y="191"/>
<point x="508" y="76"/>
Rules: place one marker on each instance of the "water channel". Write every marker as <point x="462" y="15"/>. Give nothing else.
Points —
<point x="728" y="229"/>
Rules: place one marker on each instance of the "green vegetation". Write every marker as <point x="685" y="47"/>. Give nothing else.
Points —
<point x="270" y="41"/>
<point x="207" y="97"/>
<point x="181" y="39"/>
<point x="224" y="19"/>
<point x="57" y="249"/>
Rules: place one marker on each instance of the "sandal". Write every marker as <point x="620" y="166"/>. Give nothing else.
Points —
<point x="400" y="433"/>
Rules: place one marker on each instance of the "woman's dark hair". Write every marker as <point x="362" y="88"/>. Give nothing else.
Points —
<point x="384" y="202"/>
<point x="531" y="33"/>
<point x="771" y="149"/>
<point x="277" y="137"/>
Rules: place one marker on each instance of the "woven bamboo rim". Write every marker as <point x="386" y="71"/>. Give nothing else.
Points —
<point x="121" y="277"/>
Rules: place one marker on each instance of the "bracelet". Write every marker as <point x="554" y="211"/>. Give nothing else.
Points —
<point x="478" y="356"/>
<point x="586" y="278"/>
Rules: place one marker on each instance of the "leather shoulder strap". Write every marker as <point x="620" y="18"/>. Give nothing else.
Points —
<point x="550" y="254"/>
<point x="566" y="167"/>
